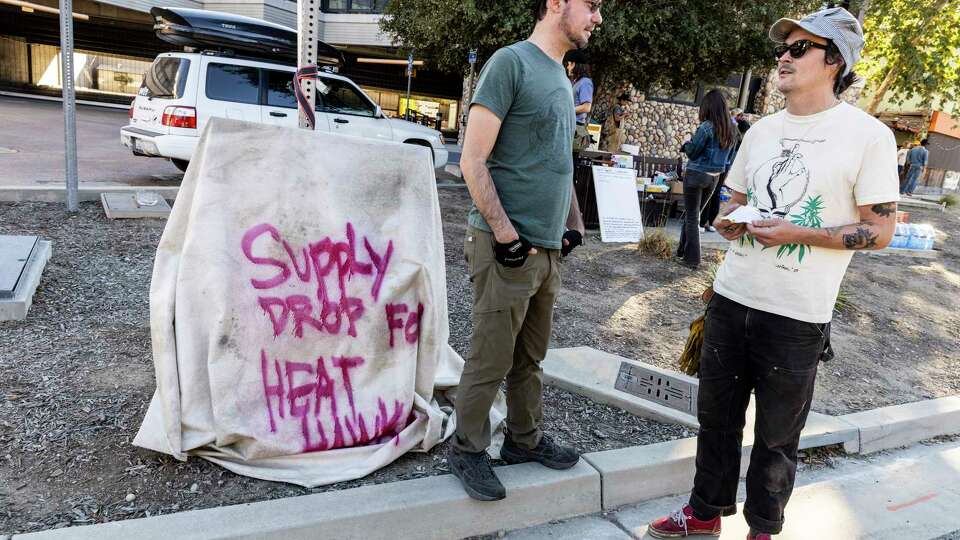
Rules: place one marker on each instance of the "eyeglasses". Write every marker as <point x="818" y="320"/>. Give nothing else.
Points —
<point x="797" y="48"/>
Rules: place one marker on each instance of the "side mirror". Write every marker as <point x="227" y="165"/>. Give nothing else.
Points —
<point x="378" y="113"/>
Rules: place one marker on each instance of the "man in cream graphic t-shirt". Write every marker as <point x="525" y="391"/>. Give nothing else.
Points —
<point x="813" y="171"/>
<point x="823" y="175"/>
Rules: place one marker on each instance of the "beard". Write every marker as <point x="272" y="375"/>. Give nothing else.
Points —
<point x="573" y="36"/>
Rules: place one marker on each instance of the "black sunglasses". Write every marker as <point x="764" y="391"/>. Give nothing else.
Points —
<point x="797" y="48"/>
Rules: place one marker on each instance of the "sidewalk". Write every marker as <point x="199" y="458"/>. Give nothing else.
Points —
<point x="908" y="493"/>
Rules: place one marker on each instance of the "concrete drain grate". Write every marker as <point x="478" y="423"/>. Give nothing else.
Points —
<point x="658" y="387"/>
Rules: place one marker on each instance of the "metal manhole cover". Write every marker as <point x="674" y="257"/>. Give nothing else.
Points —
<point x="5" y="150"/>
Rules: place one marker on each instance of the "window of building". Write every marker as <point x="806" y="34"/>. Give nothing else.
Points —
<point x="689" y="96"/>
<point x="238" y="84"/>
<point x="693" y="96"/>
<point x="353" y="6"/>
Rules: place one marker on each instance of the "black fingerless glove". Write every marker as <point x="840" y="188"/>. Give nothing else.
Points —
<point x="574" y="239"/>
<point x="512" y="254"/>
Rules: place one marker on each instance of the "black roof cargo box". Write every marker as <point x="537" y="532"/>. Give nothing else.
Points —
<point x="202" y="29"/>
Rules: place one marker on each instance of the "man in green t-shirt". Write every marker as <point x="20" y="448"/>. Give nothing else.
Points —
<point x="518" y="165"/>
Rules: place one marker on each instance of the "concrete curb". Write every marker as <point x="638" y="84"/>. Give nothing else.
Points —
<point x="902" y="425"/>
<point x="596" y="381"/>
<point x="426" y="508"/>
<point x="84" y="193"/>
<point x="39" y="97"/>
<point x="642" y="473"/>
<point x="920" y="203"/>
<point x="16" y="308"/>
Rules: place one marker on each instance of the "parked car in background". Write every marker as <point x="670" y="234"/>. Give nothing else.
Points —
<point x="181" y="91"/>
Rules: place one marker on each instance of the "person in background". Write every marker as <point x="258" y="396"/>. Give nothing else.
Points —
<point x="582" y="91"/>
<point x="712" y="207"/>
<point x="614" y="126"/>
<point x="902" y="159"/>
<point x="916" y="163"/>
<point x="708" y="152"/>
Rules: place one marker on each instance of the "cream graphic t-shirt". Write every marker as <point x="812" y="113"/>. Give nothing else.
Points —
<point x="814" y="171"/>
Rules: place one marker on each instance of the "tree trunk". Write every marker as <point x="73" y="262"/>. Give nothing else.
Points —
<point x="864" y="5"/>
<point x="884" y="86"/>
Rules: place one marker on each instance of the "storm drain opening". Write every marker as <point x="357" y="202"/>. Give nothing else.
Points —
<point x="655" y="386"/>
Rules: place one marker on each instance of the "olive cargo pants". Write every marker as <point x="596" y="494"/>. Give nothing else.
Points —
<point x="512" y="318"/>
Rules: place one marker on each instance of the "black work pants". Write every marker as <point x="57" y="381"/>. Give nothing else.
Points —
<point x="775" y="357"/>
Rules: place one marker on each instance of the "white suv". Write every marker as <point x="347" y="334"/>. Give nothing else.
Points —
<point x="182" y="90"/>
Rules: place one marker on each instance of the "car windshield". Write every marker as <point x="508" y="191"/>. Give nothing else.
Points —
<point x="341" y="97"/>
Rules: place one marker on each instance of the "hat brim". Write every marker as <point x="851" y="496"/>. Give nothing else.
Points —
<point x="782" y="28"/>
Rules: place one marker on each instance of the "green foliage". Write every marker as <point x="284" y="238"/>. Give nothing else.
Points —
<point x="919" y="42"/>
<point x="669" y="43"/>
<point x="950" y="199"/>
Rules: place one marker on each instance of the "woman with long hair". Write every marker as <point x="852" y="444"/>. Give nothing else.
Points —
<point x="708" y="152"/>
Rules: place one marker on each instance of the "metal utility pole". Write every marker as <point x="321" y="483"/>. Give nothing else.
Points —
<point x="472" y="58"/>
<point x="69" y="102"/>
<point x="406" y="115"/>
<point x="465" y="113"/>
<point x="308" y="21"/>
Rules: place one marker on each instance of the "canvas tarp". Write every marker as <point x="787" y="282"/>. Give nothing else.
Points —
<point x="298" y="307"/>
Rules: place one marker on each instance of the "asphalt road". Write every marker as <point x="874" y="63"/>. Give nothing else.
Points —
<point x="32" y="148"/>
<point x="34" y="130"/>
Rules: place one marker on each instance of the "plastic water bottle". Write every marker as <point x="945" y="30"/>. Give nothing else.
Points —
<point x="900" y="236"/>
<point x="724" y="194"/>
<point x="926" y="235"/>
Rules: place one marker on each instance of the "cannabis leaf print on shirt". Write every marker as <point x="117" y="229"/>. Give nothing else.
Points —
<point x="808" y="217"/>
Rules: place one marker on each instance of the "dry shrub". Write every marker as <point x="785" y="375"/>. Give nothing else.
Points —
<point x="657" y="244"/>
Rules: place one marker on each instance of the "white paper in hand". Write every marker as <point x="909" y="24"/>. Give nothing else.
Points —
<point x="745" y="214"/>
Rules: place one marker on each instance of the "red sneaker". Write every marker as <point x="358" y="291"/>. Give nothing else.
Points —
<point x="682" y="523"/>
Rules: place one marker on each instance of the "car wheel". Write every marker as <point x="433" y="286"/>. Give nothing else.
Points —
<point x="181" y="164"/>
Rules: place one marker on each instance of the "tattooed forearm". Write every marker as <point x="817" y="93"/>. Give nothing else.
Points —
<point x="863" y="238"/>
<point x="884" y="209"/>
<point x="873" y="231"/>
<point x="863" y="235"/>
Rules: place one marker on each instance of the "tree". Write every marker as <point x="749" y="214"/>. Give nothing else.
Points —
<point x="668" y="43"/>
<point x="913" y="51"/>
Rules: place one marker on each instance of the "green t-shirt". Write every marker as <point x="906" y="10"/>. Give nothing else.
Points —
<point x="532" y="160"/>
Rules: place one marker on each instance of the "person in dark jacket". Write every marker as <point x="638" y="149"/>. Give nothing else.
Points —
<point x="712" y="206"/>
<point x="708" y="152"/>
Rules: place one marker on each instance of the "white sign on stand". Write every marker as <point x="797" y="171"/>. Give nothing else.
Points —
<point x="617" y="204"/>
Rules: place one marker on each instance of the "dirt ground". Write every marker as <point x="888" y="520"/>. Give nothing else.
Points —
<point x="76" y="376"/>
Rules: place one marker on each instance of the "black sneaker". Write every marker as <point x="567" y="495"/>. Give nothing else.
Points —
<point x="476" y="474"/>
<point x="547" y="453"/>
